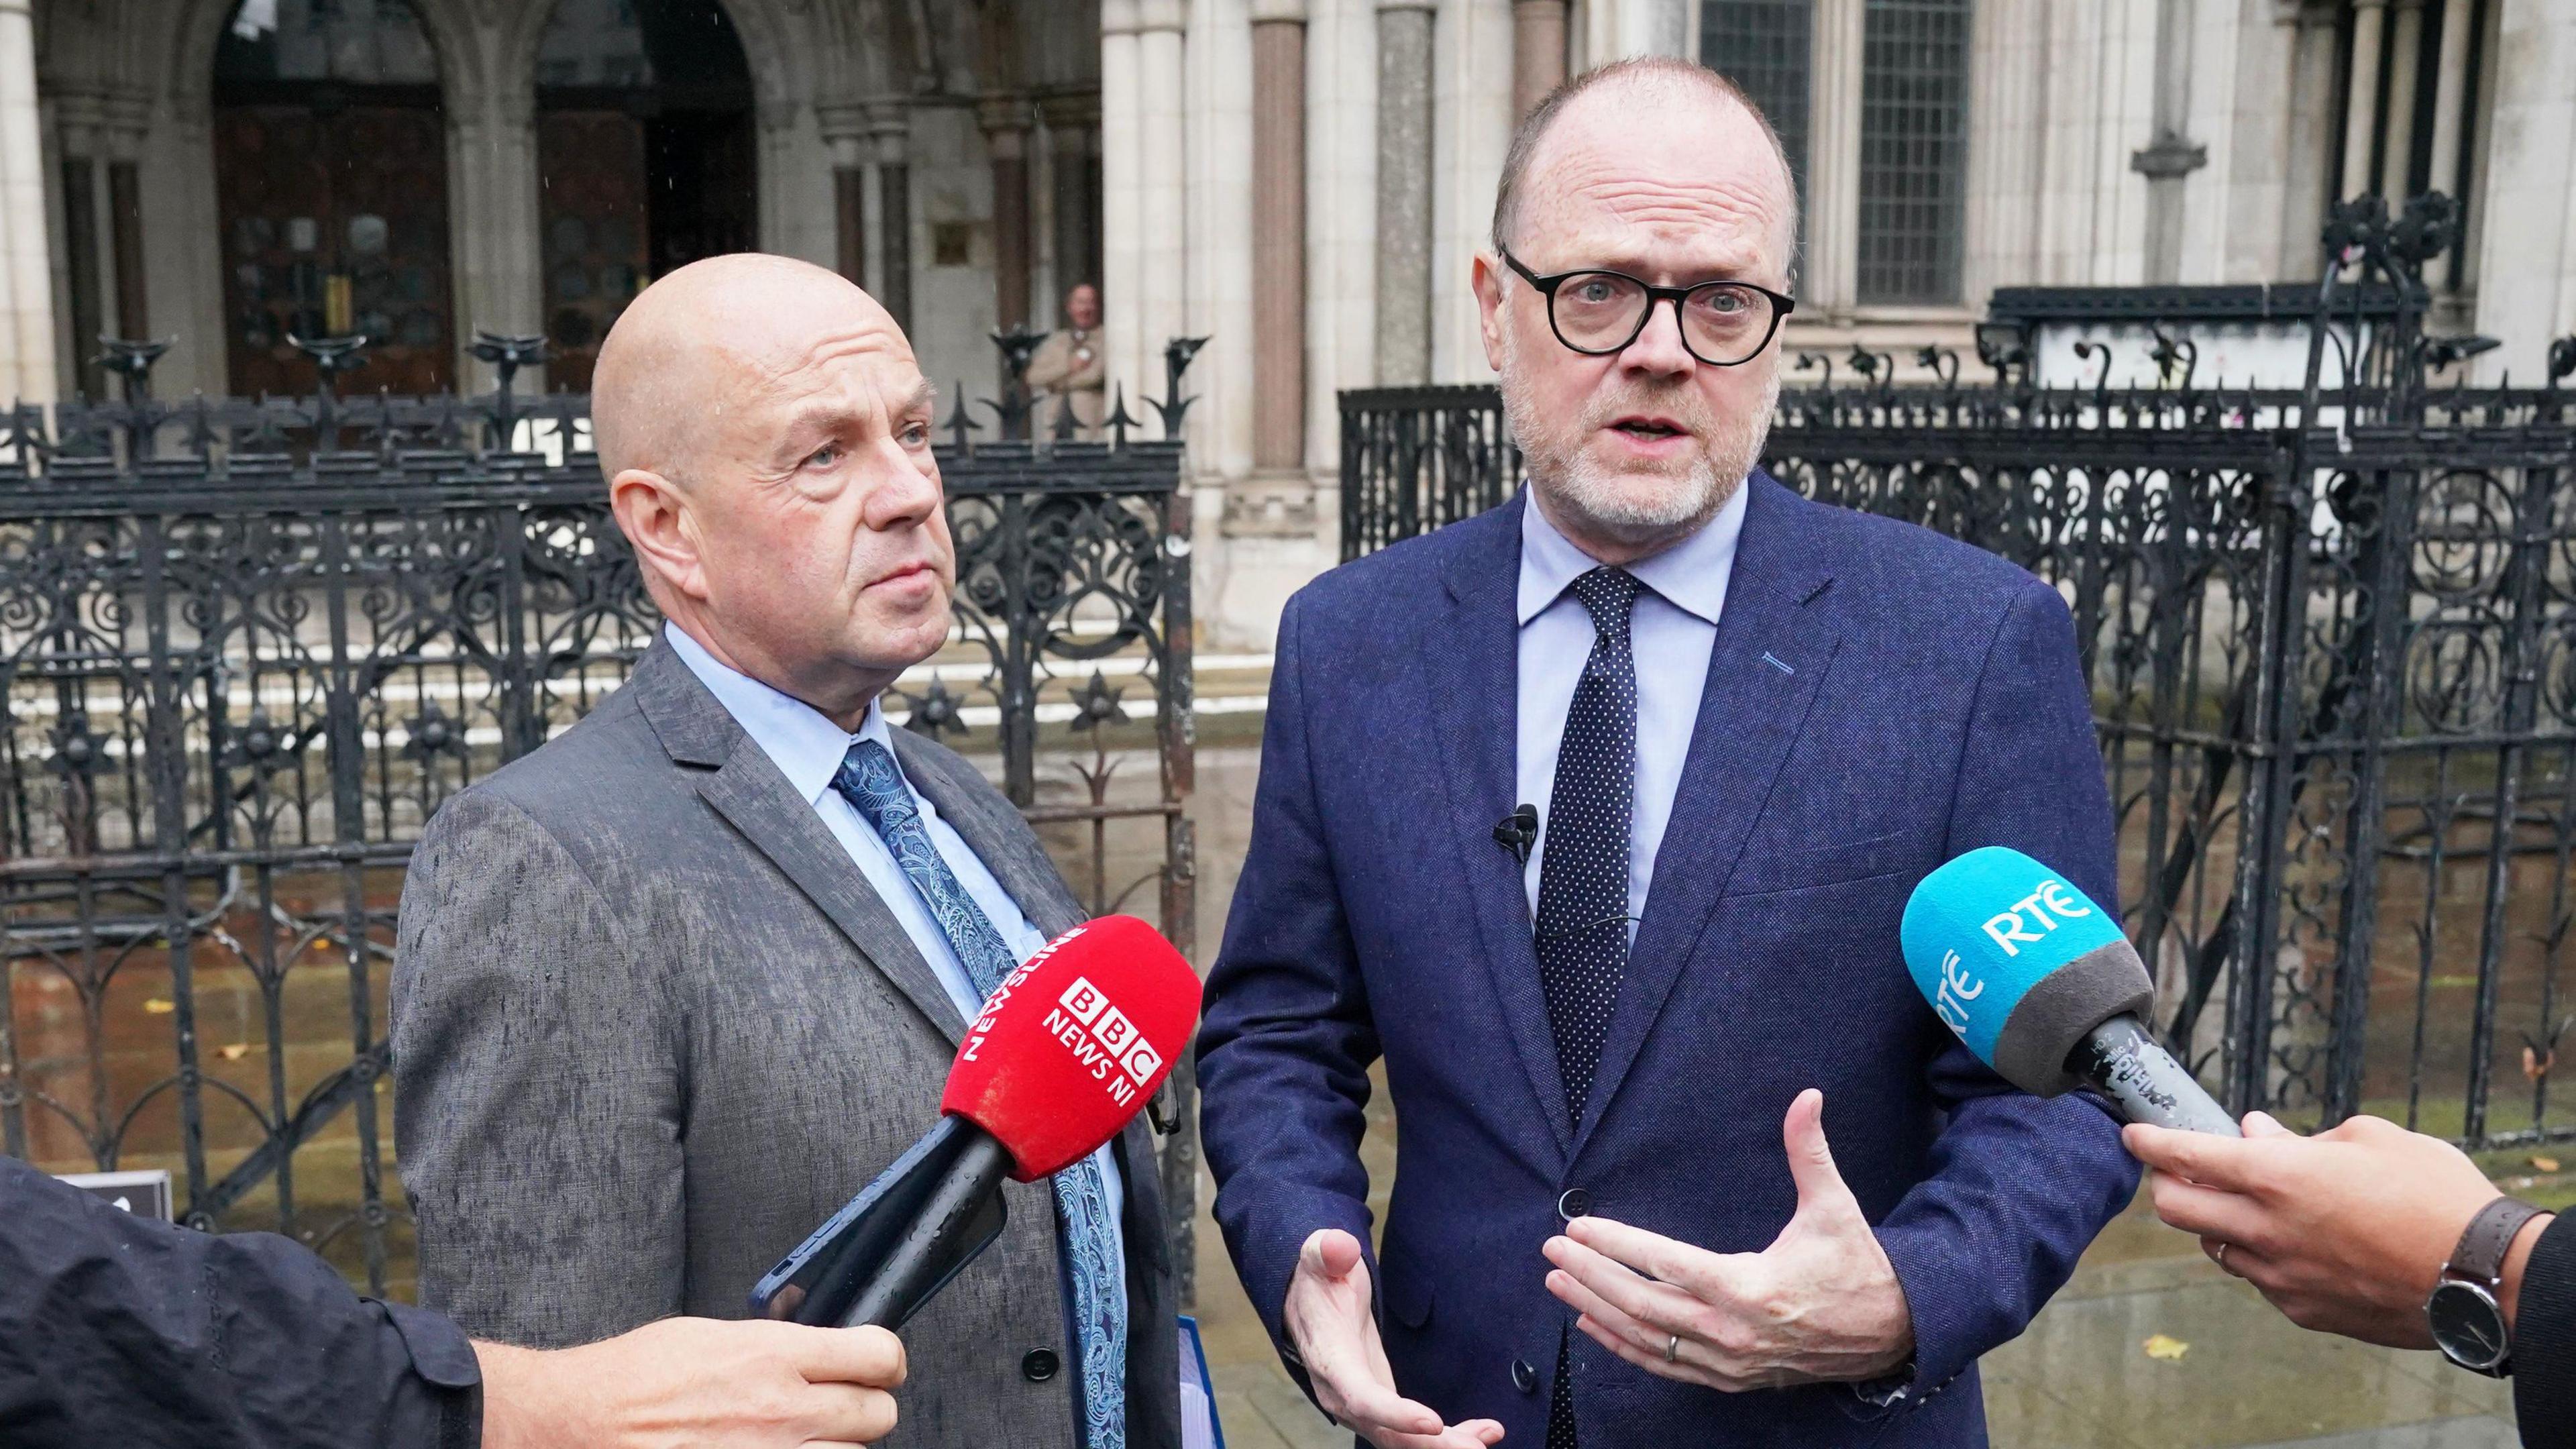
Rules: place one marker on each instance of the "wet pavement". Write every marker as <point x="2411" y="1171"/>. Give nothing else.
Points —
<point x="2080" y="1377"/>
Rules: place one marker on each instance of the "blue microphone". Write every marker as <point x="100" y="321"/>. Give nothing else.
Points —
<point x="2037" y="980"/>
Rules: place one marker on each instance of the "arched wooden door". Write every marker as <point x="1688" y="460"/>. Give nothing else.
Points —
<point x="331" y="178"/>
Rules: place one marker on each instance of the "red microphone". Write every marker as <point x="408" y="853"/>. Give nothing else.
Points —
<point x="1066" y="1051"/>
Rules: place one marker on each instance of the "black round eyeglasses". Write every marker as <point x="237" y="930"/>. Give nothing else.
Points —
<point x="1724" y="324"/>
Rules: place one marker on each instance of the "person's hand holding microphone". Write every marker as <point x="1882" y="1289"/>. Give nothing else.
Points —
<point x="2345" y="1232"/>
<point x="747" y="1385"/>
<point x="2366" y="1230"/>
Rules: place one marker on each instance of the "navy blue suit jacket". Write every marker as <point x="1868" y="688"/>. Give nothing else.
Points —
<point x="1879" y="699"/>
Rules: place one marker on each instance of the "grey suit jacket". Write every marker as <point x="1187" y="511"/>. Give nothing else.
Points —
<point x="651" y="1025"/>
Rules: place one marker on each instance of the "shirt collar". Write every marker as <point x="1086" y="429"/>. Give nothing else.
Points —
<point x="806" y="747"/>
<point x="1691" y="575"/>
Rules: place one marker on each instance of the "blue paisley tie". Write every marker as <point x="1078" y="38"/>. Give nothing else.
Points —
<point x="869" y="780"/>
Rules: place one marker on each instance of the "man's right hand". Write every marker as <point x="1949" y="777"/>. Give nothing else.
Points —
<point x="695" y="1381"/>
<point x="1328" y="1317"/>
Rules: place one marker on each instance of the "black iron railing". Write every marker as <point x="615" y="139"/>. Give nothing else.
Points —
<point x="2332" y="642"/>
<point x="247" y="649"/>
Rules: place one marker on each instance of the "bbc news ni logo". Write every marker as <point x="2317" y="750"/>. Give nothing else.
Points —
<point x="1103" y="1039"/>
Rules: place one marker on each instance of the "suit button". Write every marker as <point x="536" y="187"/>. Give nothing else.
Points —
<point x="1524" y="1378"/>
<point x="1040" y="1365"/>
<point x="1574" y="1203"/>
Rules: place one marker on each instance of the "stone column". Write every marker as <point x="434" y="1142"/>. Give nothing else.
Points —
<point x="2450" y="94"/>
<point x="1404" y="191"/>
<point x="1833" y="161"/>
<point x="1341" y="232"/>
<point x="2405" y="46"/>
<point x="1471" y="127"/>
<point x="1142" y="193"/>
<point x="890" y="124"/>
<point x="129" y="120"/>
<point x="1122" y="197"/>
<point x="845" y="135"/>
<point x="2004" y="152"/>
<point x="1005" y="120"/>
<point x="1279" y="242"/>
<point x="2526" y="279"/>
<point x="2306" y="187"/>
<point x="1073" y="138"/>
<point x="2480" y="182"/>
<point x="1163" y="196"/>
<point x="27" y="330"/>
<point x="495" y="249"/>
<point x="1538" y="52"/>
<point x="80" y="284"/>
<point x="2173" y="155"/>
<point x="775" y="174"/>
<point x="2361" y="108"/>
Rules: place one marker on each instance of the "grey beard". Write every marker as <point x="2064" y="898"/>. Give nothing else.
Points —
<point x="1587" y="497"/>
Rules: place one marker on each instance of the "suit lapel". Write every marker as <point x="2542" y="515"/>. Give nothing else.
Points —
<point x="1773" y="647"/>
<point x="745" y="787"/>
<point x="1471" y="666"/>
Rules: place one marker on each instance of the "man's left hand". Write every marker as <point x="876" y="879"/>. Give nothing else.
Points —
<point x="1820" y="1304"/>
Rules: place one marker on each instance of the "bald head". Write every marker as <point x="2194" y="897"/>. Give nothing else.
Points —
<point x="697" y="337"/>
<point x="765" y="433"/>
<point x="1639" y="105"/>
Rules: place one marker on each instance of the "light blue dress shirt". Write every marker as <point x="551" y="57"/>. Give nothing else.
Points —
<point x="807" y="749"/>
<point x="1671" y="631"/>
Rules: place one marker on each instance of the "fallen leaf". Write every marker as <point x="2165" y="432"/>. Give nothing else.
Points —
<point x="2535" y="1066"/>
<point x="160" y="1006"/>
<point x="233" y="1051"/>
<point x="2166" y="1347"/>
<point x="2545" y="1164"/>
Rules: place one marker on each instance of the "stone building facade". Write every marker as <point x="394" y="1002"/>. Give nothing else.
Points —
<point x="1303" y="182"/>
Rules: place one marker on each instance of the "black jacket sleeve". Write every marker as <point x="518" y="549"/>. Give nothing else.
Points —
<point x="122" y="1330"/>
<point x="2544" y="1340"/>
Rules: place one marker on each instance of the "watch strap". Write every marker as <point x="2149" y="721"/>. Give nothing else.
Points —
<point x="2488" y="1237"/>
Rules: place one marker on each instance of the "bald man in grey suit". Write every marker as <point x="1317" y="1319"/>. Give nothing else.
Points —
<point x="676" y="985"/>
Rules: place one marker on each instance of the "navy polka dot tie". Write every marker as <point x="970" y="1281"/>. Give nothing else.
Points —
<point x="1583" y="868"/>
<point x="1583" y="873"/>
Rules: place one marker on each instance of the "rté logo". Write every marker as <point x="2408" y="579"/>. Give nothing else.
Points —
<point x="2051" y="903"/>
<point x="1958" y="988"/>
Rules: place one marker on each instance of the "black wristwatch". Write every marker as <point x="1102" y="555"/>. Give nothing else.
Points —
<point x="2468" y="1324"/>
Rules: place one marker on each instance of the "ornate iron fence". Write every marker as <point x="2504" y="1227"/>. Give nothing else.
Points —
<point x="246" y="650"/>
<point x="2332" y="643"/>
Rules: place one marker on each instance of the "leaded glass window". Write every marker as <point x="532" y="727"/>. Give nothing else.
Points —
<point x="1913" y="150"/>
<point x="1767" y="47"/>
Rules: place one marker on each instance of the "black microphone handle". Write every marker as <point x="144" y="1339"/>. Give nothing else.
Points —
<point x="905" y="1235"/>
<point x="951" y="1226"/>
<point x="2123" y="1062"/>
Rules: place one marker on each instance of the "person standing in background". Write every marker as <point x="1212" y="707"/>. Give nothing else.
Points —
<point x="1071" y="369"/>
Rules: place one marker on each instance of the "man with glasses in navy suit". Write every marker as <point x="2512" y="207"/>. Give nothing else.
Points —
<point x="1592" y="817"/>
